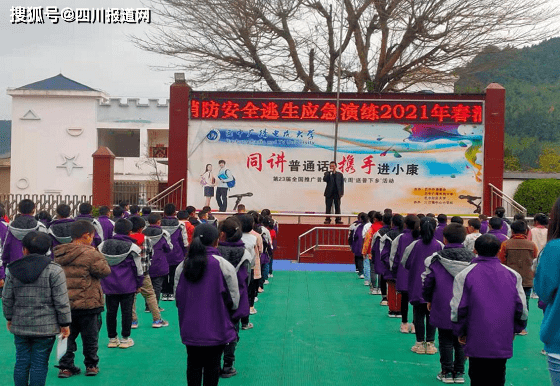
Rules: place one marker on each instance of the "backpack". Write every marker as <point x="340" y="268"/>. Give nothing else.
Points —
<point x="230" y="184"/>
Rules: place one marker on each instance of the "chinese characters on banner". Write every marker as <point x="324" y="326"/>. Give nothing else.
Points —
<point x="350" y="111"/>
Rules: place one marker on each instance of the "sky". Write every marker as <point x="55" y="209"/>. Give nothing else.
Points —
<point x="100" y="56"/>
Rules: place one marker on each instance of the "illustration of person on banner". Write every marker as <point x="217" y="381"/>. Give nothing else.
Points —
<point x="225" y="182"/>
<point x="333" y="191"/>
<point x="208" y="181"/>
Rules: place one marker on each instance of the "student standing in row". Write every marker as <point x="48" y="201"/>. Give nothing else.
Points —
<point x="488" y="308"/>
<point x="441" y="269"/>
<point x="36" y="306"/>
<point x="179" y="239"/>
<point x="414" y="259"/>
<point x="84" y="268"/>
<point x="207" y="293"/>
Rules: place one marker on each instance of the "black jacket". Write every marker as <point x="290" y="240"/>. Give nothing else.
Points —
<point x="335" y="184"/>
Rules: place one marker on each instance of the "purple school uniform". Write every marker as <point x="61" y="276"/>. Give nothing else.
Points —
<point x="437" y="281"/>
<point x="385" y="248"/>
<point x="3" y="234"/>
<point x="236" y="254"/>
<point x="107" y="227"/>
<point x="438" y="234"/>
<point x="98" y="230"/>
<point x="398" y="247"/>
<point x="178" y="233"/>
<point x="505" y="228"/>
<point x="60" y="231"/>
<point x="161" y="246"/>
<point x="378" y="266"/>
<point x="357" y="241"/>
<point x="21" y="226"/>
<point x="488" y="307"/>
<point x="484" y="227"/>
<point x="205" y="306"/>
<point x="123" y="256"/>
<point x="413" y="260"/>
<point x="499" y="235"/>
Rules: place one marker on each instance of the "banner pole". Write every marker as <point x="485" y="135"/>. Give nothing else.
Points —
<point x="339" y="71"/>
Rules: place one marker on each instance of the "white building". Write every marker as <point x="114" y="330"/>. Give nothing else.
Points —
<point x="57" y="124"/>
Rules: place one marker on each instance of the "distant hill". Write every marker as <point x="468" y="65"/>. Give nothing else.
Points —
<point x="531" y="76"/>
<point x="5" y="138"/>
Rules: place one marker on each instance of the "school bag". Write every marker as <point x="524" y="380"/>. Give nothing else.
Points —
<point x="230" y="184"/>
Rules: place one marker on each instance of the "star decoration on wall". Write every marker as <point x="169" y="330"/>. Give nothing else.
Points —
<point x="70" y="163"/>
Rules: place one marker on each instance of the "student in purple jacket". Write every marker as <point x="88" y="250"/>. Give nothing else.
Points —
<point x="487" y="310"/>
<point x="483" y="223"/>
<point x="496" y="225"/>
<point x="85" y="209"/>
<point x="60" y="229"/>
<point x="500" y="212"/>
<point x="161" y="246"/>
<point x="134" y="210"/>
<point x="401" y="242"/>
<point x="437" y="290"/>
<point x="378" y="266"/>
<point x="414" y="257"/>
<point x="17" y="230"/>
<point x="125" y="206"/>
<point x="207" y="295"/>
<point x="397" y="225"/>
<point x="232" y="249"/>
<point x="442" y="223"/>
<point x="356" y="241"/>
<point x="3" y="234"/>
<point x="178" y="233"/>
<point x="107" y="225"/>
<point x="124" y="282"/>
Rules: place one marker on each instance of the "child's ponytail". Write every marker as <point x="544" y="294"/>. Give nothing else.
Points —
<point x="427" y="229"/>
<point x="196" y="261"/>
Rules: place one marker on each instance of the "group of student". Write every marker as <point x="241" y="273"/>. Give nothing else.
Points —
<point x="472" y="282"/>
<point x="57" y="276"/>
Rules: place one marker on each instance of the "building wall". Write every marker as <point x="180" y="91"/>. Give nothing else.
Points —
<point x="39" y="146"/>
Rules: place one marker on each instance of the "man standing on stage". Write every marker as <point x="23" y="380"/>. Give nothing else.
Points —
<point x="333" y="191"/>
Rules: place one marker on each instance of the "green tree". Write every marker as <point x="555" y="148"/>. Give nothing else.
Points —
<point x="549" y="161"/>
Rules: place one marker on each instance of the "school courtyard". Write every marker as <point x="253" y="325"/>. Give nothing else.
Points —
<point x="316" y="325"/>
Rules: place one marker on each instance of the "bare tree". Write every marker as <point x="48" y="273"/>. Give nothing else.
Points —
<point x="386" y="45"/>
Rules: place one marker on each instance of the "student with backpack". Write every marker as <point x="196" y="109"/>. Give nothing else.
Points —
<point x="207" y="294"/>
<point x="488" y="308"/>
<point x="414" y="259"/>
<point x="224" y="183"/>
